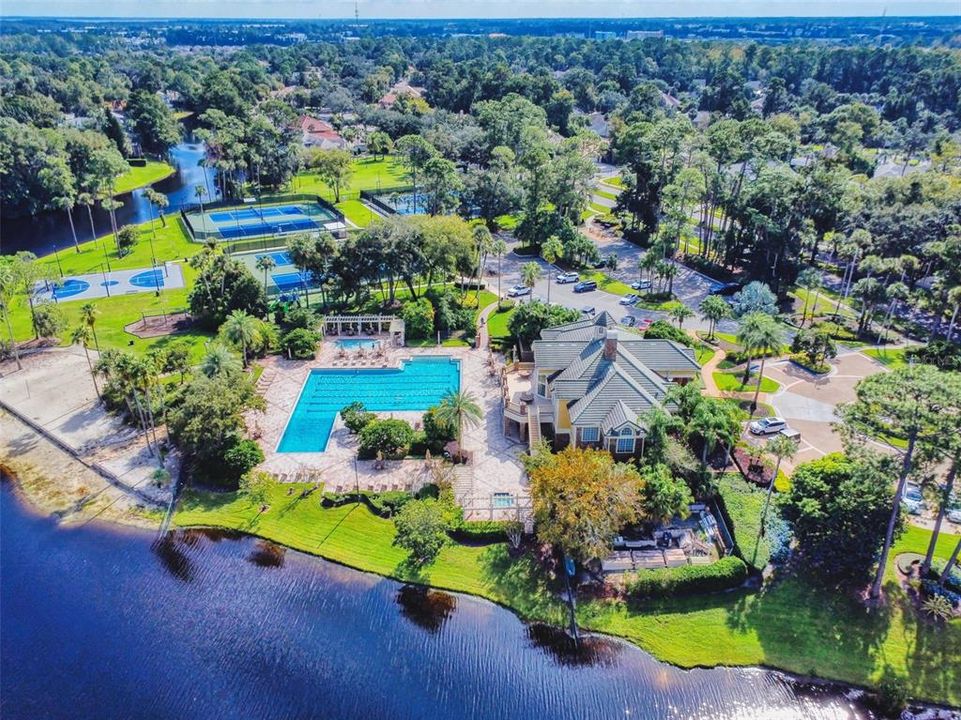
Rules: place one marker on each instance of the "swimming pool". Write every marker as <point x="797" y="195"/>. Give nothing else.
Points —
<point x="416" y="385"/>
<point x="356" y="343"/>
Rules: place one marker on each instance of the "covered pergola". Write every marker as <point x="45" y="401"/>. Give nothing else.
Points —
<point x="365" y="324"/>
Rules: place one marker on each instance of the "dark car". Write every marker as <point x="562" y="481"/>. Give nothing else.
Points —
<point x="727" y="289"/>
<point x="585" y="286"/>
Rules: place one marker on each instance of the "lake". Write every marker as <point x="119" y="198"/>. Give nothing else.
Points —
<point x="42" y="233"/>
<point x="99" y="622"/>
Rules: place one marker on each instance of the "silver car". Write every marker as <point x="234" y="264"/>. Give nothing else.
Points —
<point x="767" y="426"/>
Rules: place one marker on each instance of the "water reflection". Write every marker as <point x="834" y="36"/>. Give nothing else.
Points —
<point x="267" y="554"/>
<point x="588" y="650"/>
<point x="171" y="550"/>
<point x="426" y="608"/>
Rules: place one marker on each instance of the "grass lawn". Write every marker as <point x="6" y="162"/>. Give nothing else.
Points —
<point x="614" y="180"/>
<point x="369" y="174"/>
<point x="605" y="193"/>
<point x="703" y="353"/>
<point x="892" y="359"/>
<point x="732" y="382"/>
<point x="354" y="536"/>
<point x="497" y="322"/>
<point x="171" y="243"/>
<point x="594" y="209"/>
<point x="357" y="212"/>
<point x="791" y="624"/>
<point x="607" y="283"/>
<point x="138" y="177"/>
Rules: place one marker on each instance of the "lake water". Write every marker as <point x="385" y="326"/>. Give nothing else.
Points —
<point x="44" y="232"/>
<point x="98" y="623"/>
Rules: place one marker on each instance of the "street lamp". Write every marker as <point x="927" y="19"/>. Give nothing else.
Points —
<point x="57" y="256"/>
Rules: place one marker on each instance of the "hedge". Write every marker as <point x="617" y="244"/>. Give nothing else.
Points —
<point x="481" y="531"/>
<point x="385" y="504"/>
<point x="728" y="572"/>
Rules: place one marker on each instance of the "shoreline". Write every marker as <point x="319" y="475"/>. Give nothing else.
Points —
<point x="171" y="170"/>
<point x="32" y="478"/>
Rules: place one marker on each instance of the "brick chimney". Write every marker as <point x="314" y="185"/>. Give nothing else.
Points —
<point x="610" y="345"/>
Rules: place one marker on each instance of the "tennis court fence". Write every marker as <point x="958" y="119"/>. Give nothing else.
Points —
<point x="202" y="235"/>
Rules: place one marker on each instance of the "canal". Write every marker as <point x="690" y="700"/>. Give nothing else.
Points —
<point x="42" y="233"/>
<point x="100" y="622"/>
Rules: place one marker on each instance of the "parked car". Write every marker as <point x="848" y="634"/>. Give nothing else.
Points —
<point x="727" y="289"/>
<point x="954" y="515"/>
<point x="567" y="277"/>
<point x="588" y="310"/>
<point x="629" y="299"/>
<point x="644" y="323"/>
<point x="641" y="285"/>
<point x="767" y="426"/>
<point x="518" y="291"/>
<point x="629" y="321"/>
<point x="585" y="286"/>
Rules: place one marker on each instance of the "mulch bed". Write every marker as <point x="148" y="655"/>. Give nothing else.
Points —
<point x="759" y="474"/>
<point x="158" y="325"/>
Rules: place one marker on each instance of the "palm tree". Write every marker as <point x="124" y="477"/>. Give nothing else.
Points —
<point x="498" y="248"/>
<point x="483" y="241"/>
<point x="669" y="272"/>
<point x="266" y="263"/>
<point x="950" y="564"/>
<point x="111" y="205"/>
<point x="715" y="421"/>
<point x="714" y="309"/>
<point x="649" y="262"/>
<point x="680" y="312"/>
<point x="219" y="361"/>
<point x="946" y="493"/>
<point x="241" y="329"/>
<point x="88" y="200"/>
<point x="88" y="314"/>
<point x="457" y="409"/>
<point x="66" y="204"/>
<point x="759" y="334"/>
<point x="81" y="336"/>
<point x="530" y="274"/>
<point x="809" y="279"/>
<point x="160" y="202"/>
<point x="780" y="447"/>
<point x="551" y="250"/>
<point x="199" y="192"/>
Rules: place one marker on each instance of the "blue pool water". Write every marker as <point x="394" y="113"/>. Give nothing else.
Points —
<point x="355" y="343"/>
<point x="416" y="385"/>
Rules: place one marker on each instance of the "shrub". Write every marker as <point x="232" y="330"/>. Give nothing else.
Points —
<point x="418" y="318"/>
<point x="299" y="344"/>
<point x="126" y="239"/>
<point x="480" y="531"/>
<point x="726" y="573"/>
<point x="421" y="530"/>
<point x="303" y="318"/>
<point x="391" y="438"/>
<point x="48" y="320"/>
<point x="356" y="417"/>
<point x="243" y="456"/>
<point x="661" y="330"/>
<point x="436" y="432"/>
<point x="940" y="353"/>
<point x="385" y="504"/>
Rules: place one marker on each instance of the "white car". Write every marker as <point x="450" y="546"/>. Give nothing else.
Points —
<point x="954" y="515"/>
<point x="518" y="291"/>
<point x="767" y="426"/>
<point x="641" y="285"/>
<point x="567" y="277"/>
<point x="629" y="299"/>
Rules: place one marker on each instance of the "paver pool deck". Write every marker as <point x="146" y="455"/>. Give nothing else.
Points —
<point x="496" y="467"/>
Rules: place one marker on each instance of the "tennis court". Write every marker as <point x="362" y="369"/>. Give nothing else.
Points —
<point x="257" y="220"/>
<point x="284" y="277"/>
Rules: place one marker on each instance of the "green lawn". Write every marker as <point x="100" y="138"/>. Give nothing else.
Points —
<point x="354" y="536"/>
<point x="614" y="180"/>
<point x="497" y="322"/>
<point x="892" y="359"/>
<point x="357" y="212"/>
<point x="607" y="283"/>
<point x="791" y="624"/>
<point x="732" y="382"/>
<point x="171" y="243"/>
<point x="138" y="177"/>
<point x="605" y="194"/>
<point x="703" y="353"/>
<point x="369" y="174"/>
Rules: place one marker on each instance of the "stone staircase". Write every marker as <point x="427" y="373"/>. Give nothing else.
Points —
<point x="533" y="425"/>
<point x="463" y="484"/>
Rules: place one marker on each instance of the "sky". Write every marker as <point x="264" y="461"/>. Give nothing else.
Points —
<point x="476" y="8"/>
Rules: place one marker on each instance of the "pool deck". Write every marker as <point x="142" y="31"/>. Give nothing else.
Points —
<point x="496" y="467"/>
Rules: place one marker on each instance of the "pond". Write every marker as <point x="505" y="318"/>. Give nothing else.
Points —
<point x="42" y="233"/>
<point x="100" y="622"/>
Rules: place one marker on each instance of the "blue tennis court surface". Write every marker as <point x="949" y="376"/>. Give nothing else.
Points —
<point x="252" y="213"/>
<point x="267" y="227"/>
<point x="294" y="280"/>
<point x="279" y="258"/>
<point x="257" y="220"/>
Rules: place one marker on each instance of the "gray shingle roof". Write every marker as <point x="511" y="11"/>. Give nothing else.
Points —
<point x="616" y="386"/>
<point x="619" y="415"/>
